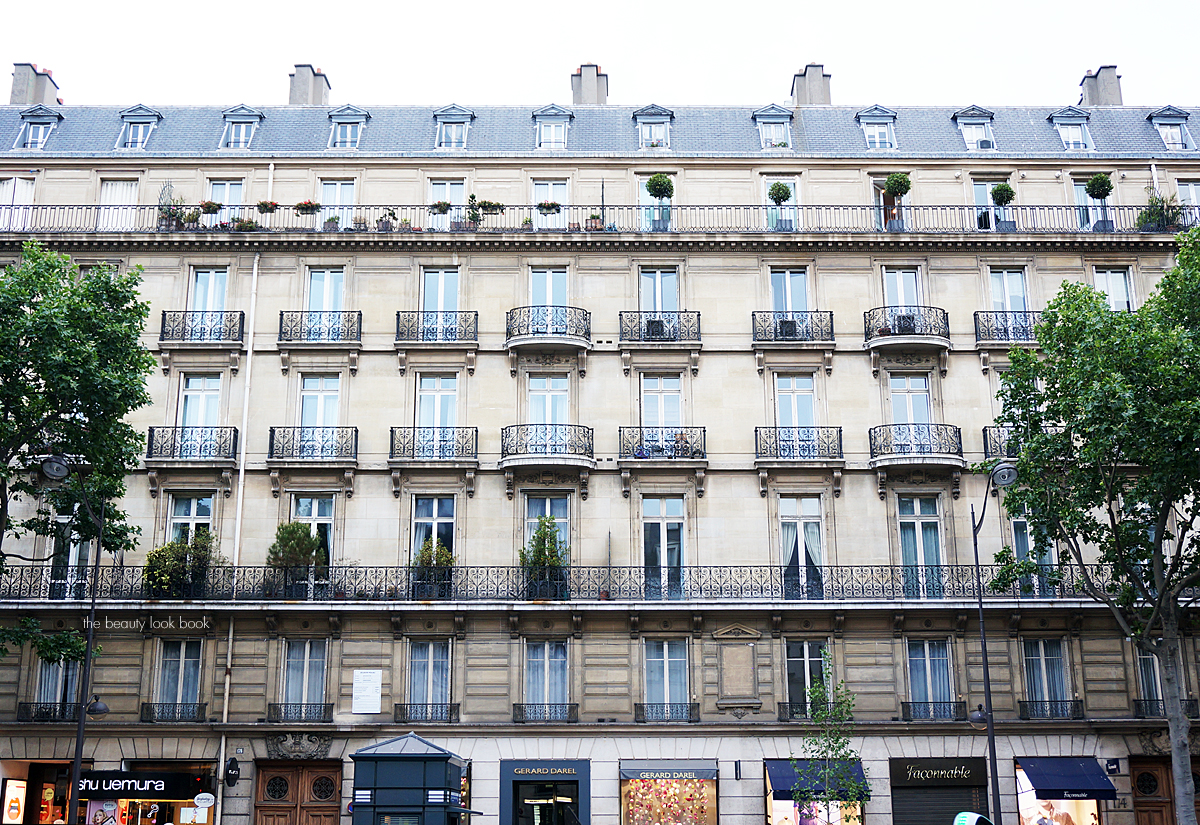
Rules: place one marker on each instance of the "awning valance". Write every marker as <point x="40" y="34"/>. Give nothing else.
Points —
<point x="782" y="777"/>
<point x="1067" y="777"/>
<point x="668" y="769"/>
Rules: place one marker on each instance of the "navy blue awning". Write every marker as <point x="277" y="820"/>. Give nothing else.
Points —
<point x="1067" y="777"/>
<point x="782" y="777"/>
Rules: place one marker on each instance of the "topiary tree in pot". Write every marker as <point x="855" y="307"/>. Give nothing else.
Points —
<point x="1002" y="196"/>
<point x="779" y="194"/>
<point x="294" y="556"/>
<point x="544" y="560"/>
<point x="432" y="570"/>
<point x="661" y="188"/>
<point x="895" y="187"/>
<point x="179" y="569"/>
<point x="1099" y="187"/>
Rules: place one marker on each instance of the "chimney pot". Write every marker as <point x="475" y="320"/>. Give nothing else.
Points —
<point x="589" y="86"/>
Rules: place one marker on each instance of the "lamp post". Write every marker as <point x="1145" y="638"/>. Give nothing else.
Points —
<point x="1002" y="475"/>
<point x="56" y="469"/>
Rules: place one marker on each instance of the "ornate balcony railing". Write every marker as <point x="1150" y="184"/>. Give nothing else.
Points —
<point x="915" y="439"/>
<point x="1051" y="709"/>
<point x="798" y="443"/>
<point x="550" y="321"/>
<point x="437" y="326"/>
<point x="319" y="327"/>
<point x="1157" y="708"/>
<point x="446" y="712"/>
<point x="666" y="712"/>
<point x="1017" y="327"/>
<point x="936" y="711"/>
<point x="185" y="712"/>
<point x="958" y="219"/>
<point x="201" y="326"/>
<point x="434" y="443"/>
<point x="316" y="443"/>
<point x="546" y="713"/>
<point x="545" y="439"/>
<point x="195" y="443"/>
<point x="660" y="327"/>
<point x="296" y="712"/>
<point x="886" y="322"/>
<point x="739" y="583"/>
<point x="48" y="712"/>
<point x="792" y="711"/>
<point x="792" y="326"/>
<point x="662" y="442"/>
<point x="999" y="443"/>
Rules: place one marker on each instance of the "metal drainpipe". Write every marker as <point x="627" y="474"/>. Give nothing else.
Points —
<point x="1154" y="175"/>
<point x="237" y="527"/>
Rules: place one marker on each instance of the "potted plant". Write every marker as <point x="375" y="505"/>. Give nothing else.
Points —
<point x="210" y="207"/>
<point x="896" y="186"/>
<point x="1099" y="187"/>
<point x="360" y="223"/>
<point x="179" y="569"/>
<point x="405" y="225"/>
<point x="386" y="221"/>
<point x="439" y="207"/>
<point x="293" y="558"/>
<point x="1160" y="214"/>
<point x="491" y="207"/>
<point x="779" y="194"/>
<point x="544" y="561"/>
<point x="594" y="223"/>
<point x="433" y="571"/>
<point x="661" y="188"/>
<point x="307" y="208"/>
<point x="549" y="207"/>
<point x="191" y="219"/>
<point x="527" y="224"/>
<point x="170" y="208"/>
<point x="331" y="223"/>
<point x="1002" y="196"/>
<point x="472" y="214"/>
<point x="267" y="207"/>
<point x="245" y="225"/>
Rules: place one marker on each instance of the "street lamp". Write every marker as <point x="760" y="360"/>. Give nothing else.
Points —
<point x="1002" y="475"/>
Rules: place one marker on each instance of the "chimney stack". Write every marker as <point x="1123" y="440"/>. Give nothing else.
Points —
<point x="31" y="87"/>
<point x="308" y="87"/>
<point x="811" y="88"/>
<point x="1102" y="88"/>
<point x="589" y="86"/>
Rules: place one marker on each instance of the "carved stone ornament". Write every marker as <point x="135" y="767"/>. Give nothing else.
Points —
<point x="298" y="746"/>
<point x="736" y="631"/>
<point x="548" y="479"/>
<point x="546" y="359"/>
<point x="1157" y="742"/>
<point x="908" y="360"/>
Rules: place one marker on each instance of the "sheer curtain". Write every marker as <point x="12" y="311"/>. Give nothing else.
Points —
<point x="812" y="558"/>
<point x="418" y="686"/>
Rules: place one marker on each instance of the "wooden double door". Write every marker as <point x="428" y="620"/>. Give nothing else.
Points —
<point x="290" y="793"/>
<point x="1153" y="790"/>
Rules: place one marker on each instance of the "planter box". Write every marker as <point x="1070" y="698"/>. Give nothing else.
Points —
<point x="1102" y="226"/>
<point x="464" y="226"/>
<point x="783" y="226"/>
<point x="594" y="225"/>
<point x="1006" y="226"/>
<point x="895" y="226"/>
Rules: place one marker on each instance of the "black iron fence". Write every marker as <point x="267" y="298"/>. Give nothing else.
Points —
<point x="194" y="443"/>
<point x="798" y="443"/>
<point x="881" y="582"/>
<point x="660" y="327"/>
<point x="563" y="322"/>
<point x="915" y="439"/>
<point x="434" y="443"/>
<point x="1157" y="708"/>
<point x="315" y="443"/>
<point x="48" y="712"/>
<point x="884" y="322"/>
<point x="438" y="712"/>
<point x="319" y="326"/>
<point x="1051" y="709"/>
<point x="998" y="442"/>
<point x="662" y="442"/>
<point x="934" y="711"/>
<point x="791" y="711"/>
<point x="437" y="326"/>
<point x="171" y="712"/>
<point x="298" y="712"/>
<point x="546" y="439"/>
<point x="666" y="712"/>
<point x="412" y="218"/>
<point x="178" y="325"/>
<point x="1018" y="327"/>
<point x="792" y="326"/>
<point x="568" y="712"/>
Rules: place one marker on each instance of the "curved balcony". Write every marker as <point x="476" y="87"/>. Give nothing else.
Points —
<point x="778" y="327"/>
<point x="927" y="445"/>
<point x="906" y="327"/>
<point x="546" y="445"/>
<point x="548" y="326"/>
<point x="1005" y="328"/>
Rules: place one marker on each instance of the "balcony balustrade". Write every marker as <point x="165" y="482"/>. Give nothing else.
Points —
<point x="49" y="712"/>
<point x="299" y="712"/>
<point x="798" y="443"/>
<point x="792" y="327"/>
<point x="437" y="327"/>
<point x="666" y="712"/>
<point x="540" y="324"/>
<point x="998" y="442"/>
<point x="916" y="444"/>
<point x="319" y="327"/>
<point x="662" y="443"/>
<point x="1051" y="709"/>
<point x="314" y="443"/>
<point x="546" y="713"/>
<point x="882" y="326"/>
<point x="201" y="327"/>
<point x="660" y="327"/>
<point x="526" y="441"/>
<point x="192" y="443"/>
<point x="933" y="711"/>
<point x="172" y="712"/>
<point x="1157" y="708"/>
<point x="434" y="443"/>
<point x="1006" y="327"/>
<point x="793" y="711"/>
<point x="437" y="712"/>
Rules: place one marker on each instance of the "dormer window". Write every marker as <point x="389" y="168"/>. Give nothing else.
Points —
<point x="36" y="135"/>
<point x="136" y="135"/>
<point x="654" y="127"/>
<point x="1072" y="127"/>
<point x="1172" y="127"/>
<point x="36" y="125"/>
<point x="552" y="122"/>
<point x="878" y="127"/>
<point x="240" y="124"/>
<point x="774" y="127"/>
<point x="137" y="124"/>
<point x="975" y="124"/>
<point x="453" y="122"/>
<point x="1074" y="136"/>
<point x="348" y="122"/>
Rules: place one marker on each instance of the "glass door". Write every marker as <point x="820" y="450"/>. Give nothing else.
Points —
<point x="437" y="411"/>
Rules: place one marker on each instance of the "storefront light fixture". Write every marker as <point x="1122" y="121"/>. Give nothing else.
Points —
<point x="978" y="718"/>
<point x="96" y="709"/>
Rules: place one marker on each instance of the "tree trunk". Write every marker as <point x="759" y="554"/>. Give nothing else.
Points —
<point x="1178" y="724"/>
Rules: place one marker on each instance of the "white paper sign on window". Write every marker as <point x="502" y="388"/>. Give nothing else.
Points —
<point x="368" y="691"/>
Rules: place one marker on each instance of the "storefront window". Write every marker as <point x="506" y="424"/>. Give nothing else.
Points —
<point x="679" y="792"/>
<point x="1078" y="777"/>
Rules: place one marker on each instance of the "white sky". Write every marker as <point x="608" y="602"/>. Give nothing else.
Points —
<point x="673" y="52"/>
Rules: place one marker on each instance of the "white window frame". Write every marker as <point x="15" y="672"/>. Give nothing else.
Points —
<point x="1067" y="133"/>
<point x="975" y="131"/>
<point x="898" y="282"/>
<point x="556" y="190"/>
<point x="922" y="573"/>
<point x="563" y="523"/>
<point x="548" y="131"/>
<point x="238" y="134"/>
<point x="454" y="192"/>
<point x="435" y="522"/>
<point x="452" y="135"/>
<point x="807" y="660"/>
<point x="772" y="132"/>
<point x="16" y="212"/>
<point x="179" y="651"/>
<point x="786" y="211"/>
<point x="63" y="677"/>
<point x="1146" y="665"/>
<point x="655" y="299"/>
<point x="309" y="660"/>
<point x="1004" y="298"/>
<point x="431" y="665"/>
<point x="873" y="130"/>
<point x="34" y="134"/>
<point x="927" y="660"/>
<point x="315" y="519"/>
<point x="783" y="289"/>
<point x="790" y="389"/>
<point x="668" y="646"/>
<point x="126" y="139"/>
<point x="208" y="288"/>
<point x="654" y="133"/>
<point x="547" y="680"/>
<point x="437" y="401"/>
<point x="1040" y="658"/>
<point x="1104" y="277"/>
<point x="805" y="513"/>
<point x="183" y="526"/>
<point x="350" y="140"/>
<point x="664" y="580"/>
<point x="1181" y="141"/>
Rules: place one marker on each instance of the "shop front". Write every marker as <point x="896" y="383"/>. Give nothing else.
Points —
<point x="675" y="791"/>
<point x="933" y="791"/>
<point x="545" y="792"/>
<point x="846" y="778"/>
<point x="148" y="797"/>
<point x="1061" y="790"/>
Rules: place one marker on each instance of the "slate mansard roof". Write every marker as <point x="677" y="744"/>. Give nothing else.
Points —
<point x="605" y="131"/>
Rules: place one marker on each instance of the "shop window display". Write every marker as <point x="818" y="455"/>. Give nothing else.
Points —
<point x="677" y="801"/>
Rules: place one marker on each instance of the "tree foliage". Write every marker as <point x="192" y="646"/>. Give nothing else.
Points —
<point x="65" y="645"/>
<point x="72" y="367"/>
<point x="546" y="547"/>
<point x="295" y="546"/>
<point x="1107" y="419"/>
<point x="179" y="569"/>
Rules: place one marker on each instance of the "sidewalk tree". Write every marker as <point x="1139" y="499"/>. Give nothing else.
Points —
<point x="1107" y="420"/>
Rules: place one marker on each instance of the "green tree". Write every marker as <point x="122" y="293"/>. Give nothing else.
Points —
<point x="1107" y="419"/>
<point x="296" y="547"/>
<point x="546" y="547"/>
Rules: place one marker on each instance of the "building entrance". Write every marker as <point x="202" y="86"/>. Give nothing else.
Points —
<point x="544" y="803"/>
<point x="291" y="794"/>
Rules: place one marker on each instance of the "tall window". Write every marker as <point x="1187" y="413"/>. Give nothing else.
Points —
<point x="546" y="673"/>
<point x="662" y="417"/>
<point x="189" y="514"/>
<point x="557" y="507"/>
<point x="318" y="401"/>
<point x="69" y="562"/>
<point x="789" y="290"/>
<point x="1114" y="283"/>
<point x="662" y="546"/>
<point x="228" y="193"/>
<point x="317" y="513"/>
<point x="920" y="546"/>
<point x="794" y="416"/>
<point x="1147" y="669"/>
<point x="433" y="517"/>
<point x="1008" y="290"/>
<point x="118" y="205"/>
<point x="781" y="217"/>
<point x="208" y="291"/>
<point x="548" y="289"/>
<point x="429" y="675"/>
<point x="550" y="191"/>
<point x="199" y="400"/>
<point x="304" y="671"/>
<point x="987" y="213"/>
<point x="1028" y="546"/>
<point x="345" y="135"/>
<point x="1045" y="675"/>
<point x="547" y="405"/>
<point x="58" y="682"/>
<point x="16" y="200"/>
<point x="659" y="290"/>
<point x="337" y="201"/>
<point x="929" y="679"/>
<point x="910" y="401"/>
<point x="179" y="679"/>
<point x="452" y="135"/>
<point x="800" y="531"/>
<point x="1090" y="210"/>
<point x="437" y="412"/>
<point x="805" y="670"/>
<point x="439" y="300"/>
<point x="656" y="214"/>
<point x="325" y="288"/>
<point x="666" y="671"/>
<point x="901" y="287"/>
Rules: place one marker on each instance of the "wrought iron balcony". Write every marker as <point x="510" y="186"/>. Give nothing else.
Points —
<point x="999" y="443"/>
<point x="935" y="711"/>
<point x="202" y="326"/>
<point x="545" y="439"/>
<point x="434" y="443"/>
<point x="192" y="443"/>
<point x="296" y="712"/>
<point x="1157" y="708"/>
<point x="666" y="712"/>
<point x="546" y="713"/>
<point x="186" y="712"/>
<point x="305" y="326"/>
<point x="48" y="712"/>
<point x="541" y="322"/>
<point x="660" y="327"/>
<point x="662" y="442"/>
<point x="437" y="327"/>
<point x="1051" y="709"/>
<point x="798" y="443"/>
<point x="883" y="323"/>
<point x="792" y="326"/>
<point x="314" y="443"/>
<point x="915" y="440"/>
<point x="793" y="711"/>
<point x="1006" y="327"/>
<point x="426" y="713"/>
